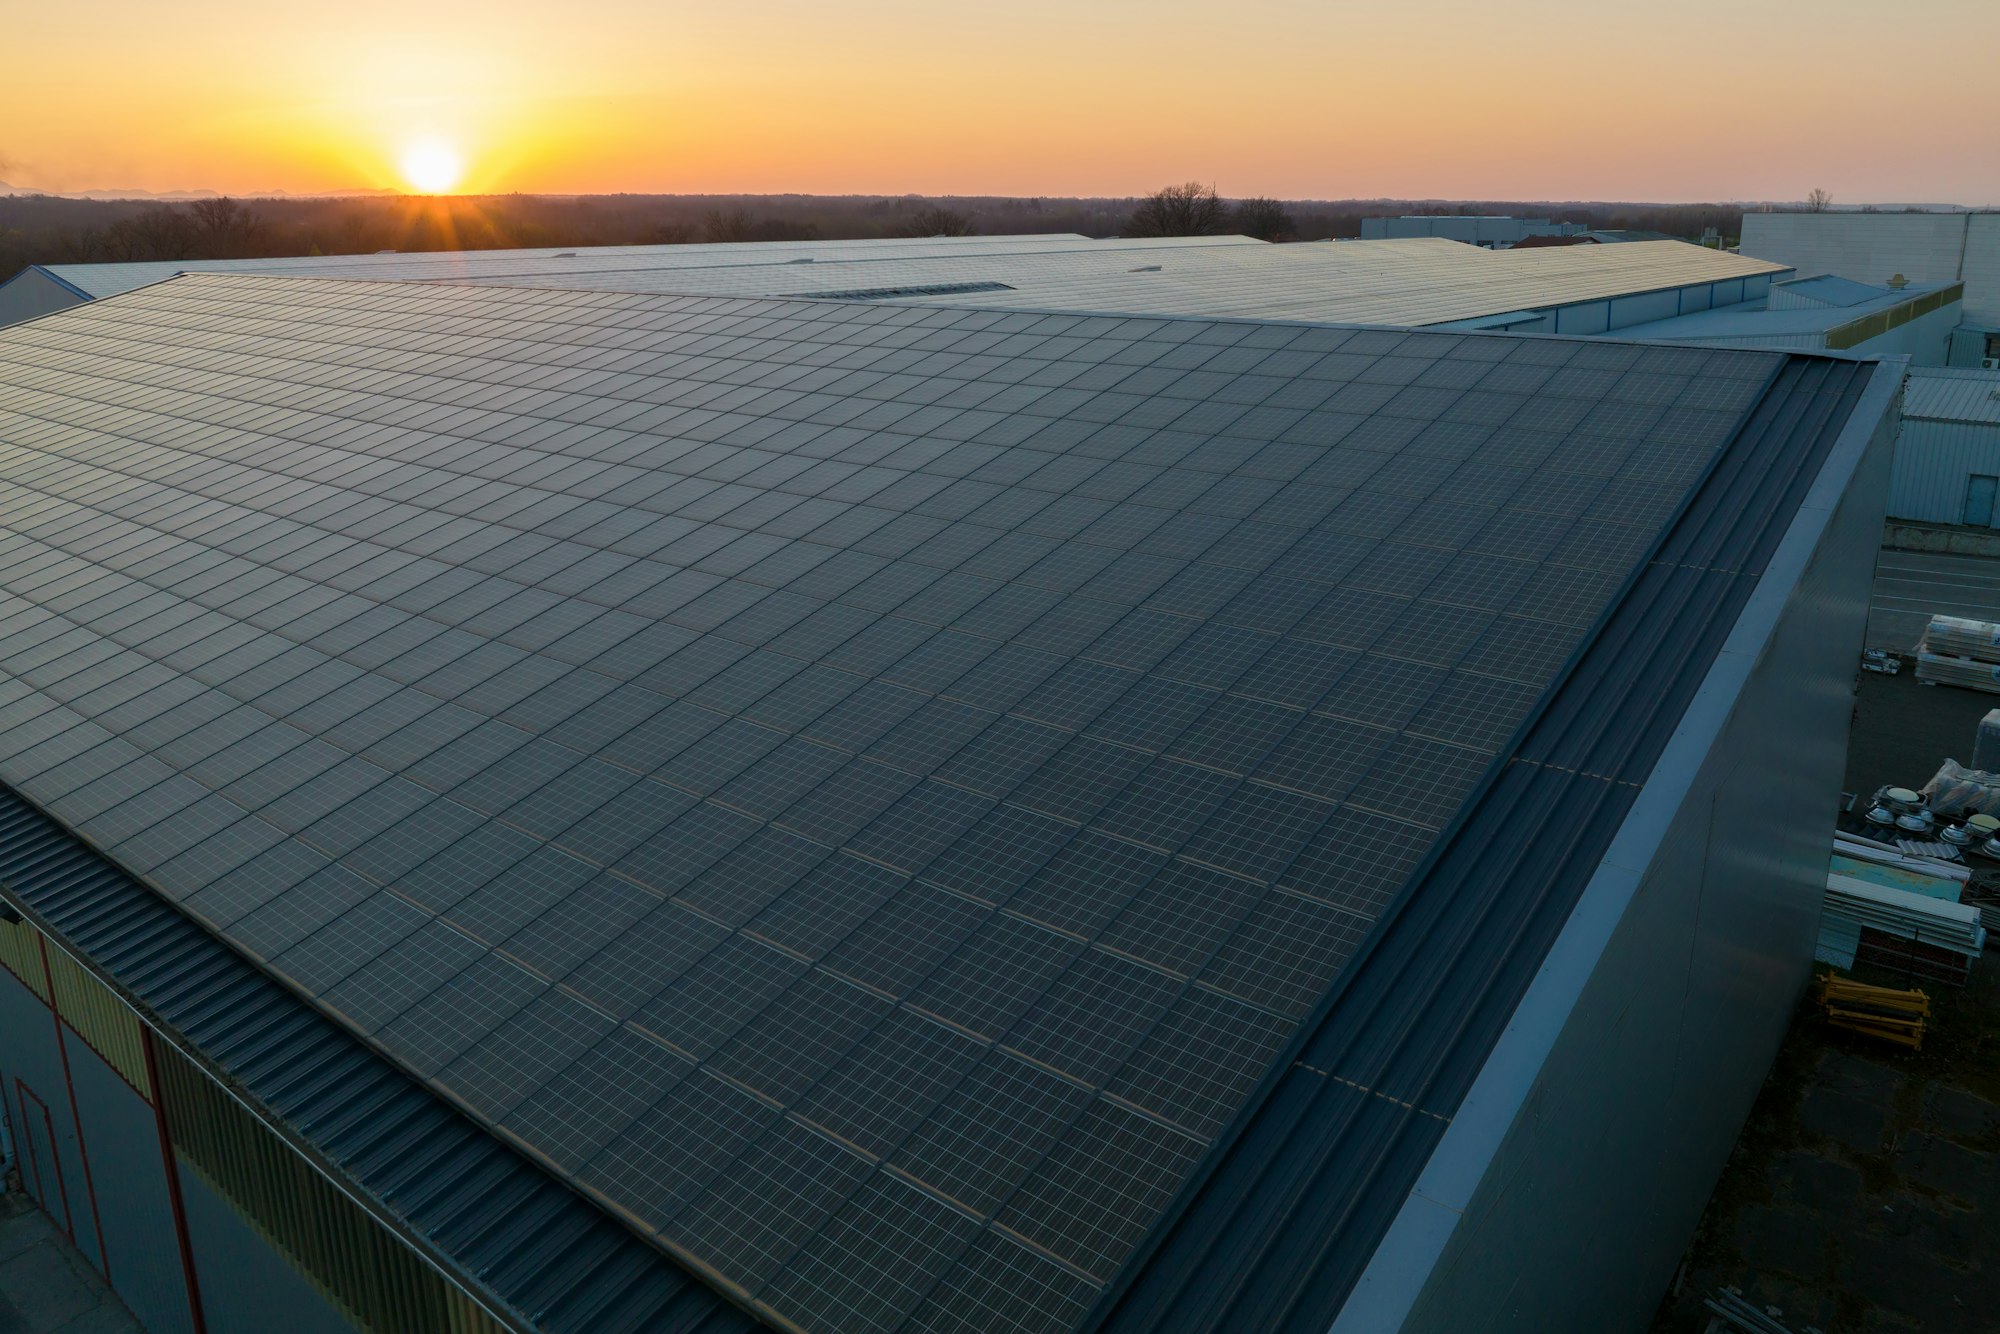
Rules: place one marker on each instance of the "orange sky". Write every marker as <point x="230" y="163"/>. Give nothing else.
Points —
<point x="1519" y="99"/>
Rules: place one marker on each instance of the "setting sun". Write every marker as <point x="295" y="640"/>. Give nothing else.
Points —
<point x="432" y="166"/>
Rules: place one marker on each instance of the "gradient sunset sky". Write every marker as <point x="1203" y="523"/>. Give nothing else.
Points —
<point x="1508" y="99"/>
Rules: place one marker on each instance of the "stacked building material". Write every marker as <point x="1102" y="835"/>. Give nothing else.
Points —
<point x="1960" y="652"/>
<point x="1897" y="928"/>
<point x="1883" y="1012"/>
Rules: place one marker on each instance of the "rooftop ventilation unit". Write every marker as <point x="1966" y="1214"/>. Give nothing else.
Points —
<point x="1145" y="268"/>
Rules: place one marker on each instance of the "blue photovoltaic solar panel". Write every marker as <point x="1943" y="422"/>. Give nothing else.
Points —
<point x="866" y="791"/>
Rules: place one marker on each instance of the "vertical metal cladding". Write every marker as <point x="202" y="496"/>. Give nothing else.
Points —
<point x="21" y="955"/>
<point x="354" y="1261"/>
<point x="94" y="1014"/>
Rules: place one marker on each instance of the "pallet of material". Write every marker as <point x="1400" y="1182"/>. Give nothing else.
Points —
<point x="1889" y="1013"/>
<point x="1960" y="637"/>
<point x="1943" y="669"/>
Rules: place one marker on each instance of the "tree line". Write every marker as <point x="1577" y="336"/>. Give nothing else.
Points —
<point x="42" y="229"/>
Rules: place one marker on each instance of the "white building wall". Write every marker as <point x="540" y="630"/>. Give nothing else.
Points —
<point x="1982" y="269"/>
<point x="1935" y="461"/>
<point x="1874" y="247"/>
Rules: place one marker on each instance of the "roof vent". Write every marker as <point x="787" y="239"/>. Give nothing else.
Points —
<point x="1145" y="268"/>
<point x="564" y="254"/>
<point x="884" y="293"/>
<point x="802" y="259"/>
<point x="1898" y="283"/>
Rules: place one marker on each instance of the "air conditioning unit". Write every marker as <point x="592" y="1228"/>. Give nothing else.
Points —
<point x="1990" y="363"/>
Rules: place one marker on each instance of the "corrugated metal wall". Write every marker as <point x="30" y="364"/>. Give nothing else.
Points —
<point x="95" y="1163"/>
<point x="1873" y="247"/>
<point x="1935" y="461"/>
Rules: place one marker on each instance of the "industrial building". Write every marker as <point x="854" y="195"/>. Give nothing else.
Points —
<point x="1491" y="231"/>
<point x="1830" y="314"/>
<point x="40" y="289"/>
<point x="1939" y="248"/>
<point x="1588" y="290"/>
<point x="580" y="810"/>
<point x="1948" y="449"/>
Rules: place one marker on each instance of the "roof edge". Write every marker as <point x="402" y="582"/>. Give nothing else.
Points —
<point x="1404" y="1260"/>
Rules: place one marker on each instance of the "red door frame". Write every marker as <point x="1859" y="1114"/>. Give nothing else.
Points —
<point x="24" y="1094"/>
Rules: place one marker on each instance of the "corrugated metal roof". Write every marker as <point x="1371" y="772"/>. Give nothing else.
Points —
<point x="1737" y="322"/>
<point x="103" y="280"/>
<point x="1307" y="1183"/>
<point x="1413" y="282"/>
<point x="529" y="1247"/>
<point x="1827" y="290"/>
<point x="1957" y="395"/>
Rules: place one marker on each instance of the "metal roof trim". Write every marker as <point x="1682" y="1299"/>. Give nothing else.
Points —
<point x="1358" y="1111"/>
<point x="1170" y="1219"/>
<point x="1395" y="1276"/>
<point x="299" y="1073"/>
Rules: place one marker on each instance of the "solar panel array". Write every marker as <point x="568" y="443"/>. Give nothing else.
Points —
<point x="866" y="791"/>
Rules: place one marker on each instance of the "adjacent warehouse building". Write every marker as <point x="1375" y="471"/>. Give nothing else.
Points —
<point x="1948" y="449"/>
<point x="40" y="289"/>
<point x="1492" y="231"/>
<point x="577" y="810"/>
<point x="1588" y="290"/>
<point x="1938" y="248"/>
<point x="1830" y="314"/>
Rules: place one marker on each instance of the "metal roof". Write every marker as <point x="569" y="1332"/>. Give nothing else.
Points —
<point x="866" y="792"/>
<point x="1939" y="394"/>
<point x="532" y="1250"/>
<point x="1292" y="1207"/>
<point x="1830" y="290"/>
<point x="109" y="279"/>
<point x="1412" y="282"/>
<point x="1739" y="322"/>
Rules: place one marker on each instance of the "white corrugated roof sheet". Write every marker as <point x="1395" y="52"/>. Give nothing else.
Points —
<point x="1410" y="282"/>
<point x="1941" y="394"/>
<point x="102" y="280"/>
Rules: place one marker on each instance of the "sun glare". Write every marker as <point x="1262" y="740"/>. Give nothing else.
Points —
<point x="432" y="166"/>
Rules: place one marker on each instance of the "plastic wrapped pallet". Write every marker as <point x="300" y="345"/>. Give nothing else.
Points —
<point x="1968" y="672"/>
<point x="1957" y="790"/>
<point x="1986" y="742"/>
<point x="1956" y="636"/>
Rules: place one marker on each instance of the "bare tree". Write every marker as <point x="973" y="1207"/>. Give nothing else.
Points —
<point x="1819" y="201"/>
<point x="222" y="228"/>
<point x="937" y="220"/>
<point x="155" y="232"/>
<point x="728" y="225"/>
<point x="1265" y="219"/>
<point x="1192" y="209"/>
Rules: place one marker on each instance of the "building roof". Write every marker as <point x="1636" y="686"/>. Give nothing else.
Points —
<point x="1410" y="282"/>
<point x="1829" y="290"/>
<point x="1735" y="322"/>
<point x="102" y="280"/>
<point x="871" y="794"/>
<point x="1940" y="394"/>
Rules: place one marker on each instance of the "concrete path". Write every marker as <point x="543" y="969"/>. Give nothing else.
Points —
<point x="46" y="1287"/>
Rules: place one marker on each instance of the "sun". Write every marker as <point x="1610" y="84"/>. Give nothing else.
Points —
<point x="432" y="166"/>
